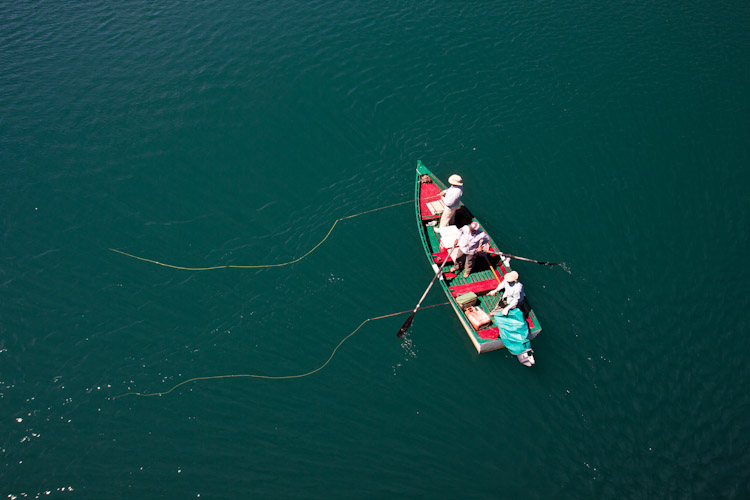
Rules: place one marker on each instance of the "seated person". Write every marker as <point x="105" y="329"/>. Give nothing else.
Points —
<point x="512" y="295"/>
<point x="470" y="241"/>
<point x="509" y="319"/>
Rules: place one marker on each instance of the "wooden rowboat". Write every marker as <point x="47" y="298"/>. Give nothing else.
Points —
<point x="482" y="279"/>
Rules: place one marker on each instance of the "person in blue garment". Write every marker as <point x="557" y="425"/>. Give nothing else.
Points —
<point x="514" y="331"/>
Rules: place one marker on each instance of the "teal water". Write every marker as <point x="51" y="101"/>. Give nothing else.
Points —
<point x="610" y="137"/>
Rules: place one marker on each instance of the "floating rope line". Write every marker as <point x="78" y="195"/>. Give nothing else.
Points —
<point x="271" y="377"/>
<point x="261" y="265"/>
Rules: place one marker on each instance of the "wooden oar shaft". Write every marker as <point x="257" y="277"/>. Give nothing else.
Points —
<point x="525" y="259"/>
<point x="492" y="268"/>
<point x="407" y="323"/>
<point x="428" y="289"/>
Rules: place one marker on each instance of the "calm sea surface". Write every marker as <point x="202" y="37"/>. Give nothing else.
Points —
<point x="612" y="137"/>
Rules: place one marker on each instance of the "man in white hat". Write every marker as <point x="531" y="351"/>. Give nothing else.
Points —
<point x="452" y="199"/>
<point x="470" y="241"/>
<point x="512" y="293"/>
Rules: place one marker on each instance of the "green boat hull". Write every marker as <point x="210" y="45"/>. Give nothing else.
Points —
<point x="484" y="338"/>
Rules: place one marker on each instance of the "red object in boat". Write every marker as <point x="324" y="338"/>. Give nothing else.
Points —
<point x="430" y="192"/>
<point x="476" y="287"/>
<point x="489" y="333"/>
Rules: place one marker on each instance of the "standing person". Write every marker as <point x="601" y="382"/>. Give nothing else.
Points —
<point x="512" y="293"/>
<point x="469" y="242"/>
<point x="452" y="199"/>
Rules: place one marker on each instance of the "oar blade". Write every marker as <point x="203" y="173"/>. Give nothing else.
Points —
<point x="405" y="326"/>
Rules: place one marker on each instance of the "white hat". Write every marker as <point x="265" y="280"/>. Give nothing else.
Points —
<point x="455" y="180"/>
<point x="474" y="225"/>
<point x="511" y="277"/>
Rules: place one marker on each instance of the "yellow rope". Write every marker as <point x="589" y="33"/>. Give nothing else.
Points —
<point x="271" y="377"/>
<point x="261" y="265"/>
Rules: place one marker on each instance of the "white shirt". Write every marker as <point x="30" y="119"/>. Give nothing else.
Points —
<point x="468" y="243"/>
<point x="452" y="197"/>
<point x="513" y="293"/>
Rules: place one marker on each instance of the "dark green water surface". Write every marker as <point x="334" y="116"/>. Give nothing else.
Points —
<point x="609" y="136"/>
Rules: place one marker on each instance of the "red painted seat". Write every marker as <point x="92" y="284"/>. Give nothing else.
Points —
<point x="428" y="192"/>
<point x="489" y="333"/>
<point x="439" y="257"/>
<point x="476" y="287"/>
<point x="494" y="332"/>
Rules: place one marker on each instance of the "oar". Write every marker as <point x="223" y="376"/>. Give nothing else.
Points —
<point x="525" y="259"/>
<point x="408" y="321"/>
<point x="499" y="280"/>
<point x="492" y="268"/>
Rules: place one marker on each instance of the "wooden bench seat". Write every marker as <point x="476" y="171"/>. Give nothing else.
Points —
<point x="476" y="287"/>
<point x="439" y="257"/>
